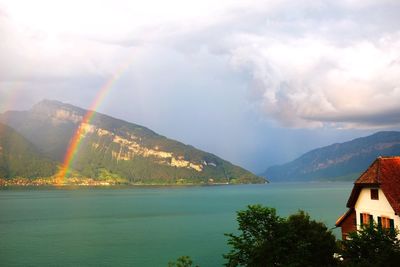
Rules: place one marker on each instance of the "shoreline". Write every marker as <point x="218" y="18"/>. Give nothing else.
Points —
<point x="115" y="186"/>
<point x="75" y="182"/>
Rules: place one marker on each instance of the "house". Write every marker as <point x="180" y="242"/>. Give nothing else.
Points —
<point x="375" y="197"/>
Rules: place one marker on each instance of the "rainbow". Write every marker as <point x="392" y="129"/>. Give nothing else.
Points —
<point x="76" y="139"/>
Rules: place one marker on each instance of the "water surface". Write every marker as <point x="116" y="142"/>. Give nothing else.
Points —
<point x="143" y="226"/>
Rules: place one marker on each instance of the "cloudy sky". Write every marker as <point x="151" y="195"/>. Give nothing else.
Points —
<point x="255" y="82"/>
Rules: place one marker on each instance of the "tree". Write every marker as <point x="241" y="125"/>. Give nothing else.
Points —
<point x="371" y="246"/>
<point x="269" y="240"/>
<point x="182" y="261"/>
<point x="312" y="244"/>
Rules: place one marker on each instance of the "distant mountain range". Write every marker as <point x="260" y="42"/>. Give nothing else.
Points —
<point x="338" y="162"/>
<point x="111" y="149"/>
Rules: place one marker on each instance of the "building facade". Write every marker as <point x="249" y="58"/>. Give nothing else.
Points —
<point x="375" y="197"/>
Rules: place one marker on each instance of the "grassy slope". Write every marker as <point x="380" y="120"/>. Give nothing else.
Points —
<point x="19" y="158"/>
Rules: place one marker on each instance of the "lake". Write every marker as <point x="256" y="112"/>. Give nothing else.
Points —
<point x="144" y="226"/>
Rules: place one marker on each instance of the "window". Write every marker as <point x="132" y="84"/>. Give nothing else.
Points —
<point x="386" y="223"/>
<point x="366" y="219"/>
<point x="374" y="194"/>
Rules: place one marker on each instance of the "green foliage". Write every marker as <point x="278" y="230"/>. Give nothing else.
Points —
<point x="371" y="246"/>
<point x="258" y="225"/>
<point x="269" y="240"/>
<point x="19" y="158"/>
<point x="183" y="261"/>
<point x="312" y="244"/>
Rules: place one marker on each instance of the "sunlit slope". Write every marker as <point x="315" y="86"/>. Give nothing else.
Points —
<point x="116" y="148"/>
<point x="344" y="161"/>
<point x="19" y="157"/>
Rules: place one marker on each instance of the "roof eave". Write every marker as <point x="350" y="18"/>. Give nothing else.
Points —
<point x="343" y="217"/>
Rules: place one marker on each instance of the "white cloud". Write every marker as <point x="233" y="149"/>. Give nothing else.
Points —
<point x="308" y="82"/>
<point x="309" y="63"/>
<point x="325" y="69"/>
<point x="29" y="54"/>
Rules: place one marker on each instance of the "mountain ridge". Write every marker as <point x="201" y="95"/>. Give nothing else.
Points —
<point x="338" y="161"/>
<point x="19" y="157"/>
<point x="115" y="148"/>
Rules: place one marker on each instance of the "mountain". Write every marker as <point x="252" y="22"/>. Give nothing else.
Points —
<point x="20" y="158"/>
<point x="344" y="161"/>
<point x="115" y="149"/>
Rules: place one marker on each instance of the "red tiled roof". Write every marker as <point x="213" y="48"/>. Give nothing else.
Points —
<point x="371" y="175"/>
<point x="384" y="172"/>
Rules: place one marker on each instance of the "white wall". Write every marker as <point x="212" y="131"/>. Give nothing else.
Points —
<point x="380" y="207"/>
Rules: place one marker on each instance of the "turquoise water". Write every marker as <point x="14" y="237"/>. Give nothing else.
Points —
<point x="143" y="226"/>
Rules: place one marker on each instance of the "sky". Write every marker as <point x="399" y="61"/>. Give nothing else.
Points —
<point x="255" y="82"/>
